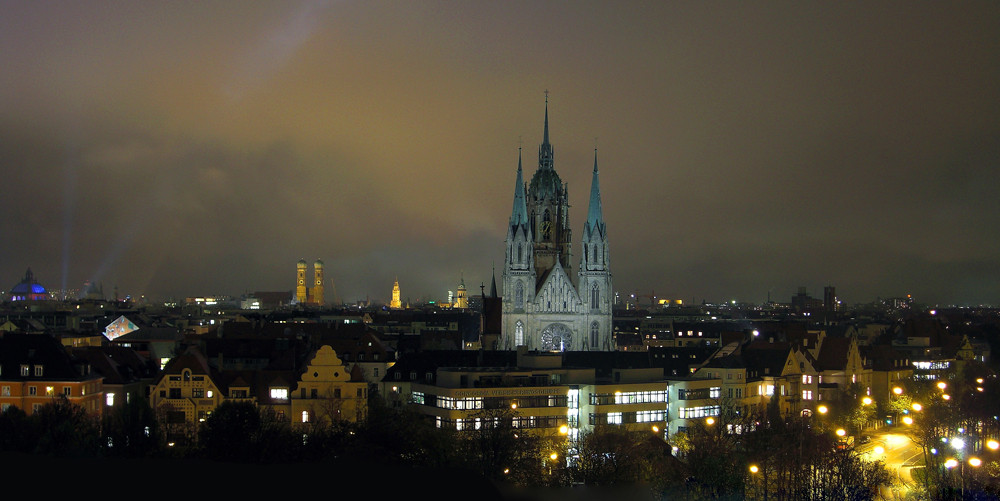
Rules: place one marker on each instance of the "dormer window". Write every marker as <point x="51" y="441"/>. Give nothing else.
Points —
<point x="39" y="370"/>
<point x="24" y="370"/>
<point x="279" y="393"/>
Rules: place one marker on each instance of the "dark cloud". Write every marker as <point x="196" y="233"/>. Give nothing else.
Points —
<point x="204" y="148"/>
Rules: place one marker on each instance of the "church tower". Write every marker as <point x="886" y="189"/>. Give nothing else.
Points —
<point x="301" y="295"/>
<point x="461" y="298"/>
<point x="545" y="306"/>
<point x="595" y="272"/>
<point x="317" y="290"/>
<point x="395" y="303"/>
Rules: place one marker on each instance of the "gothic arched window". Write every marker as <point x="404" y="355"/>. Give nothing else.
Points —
<point x="518" y="334"/>
<point x="519" y="295"/>
<point x="595" y="297"/>
<point x="519" y="253"/>
<point x="594" y="334"/>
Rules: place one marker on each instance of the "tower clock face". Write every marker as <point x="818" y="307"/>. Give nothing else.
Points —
<point x="302" y="282"/>
<point x="319" y="282"/>
<point x="546" y="229"/>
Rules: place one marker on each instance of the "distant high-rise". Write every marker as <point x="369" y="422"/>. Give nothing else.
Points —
<point x="546" y="307"/>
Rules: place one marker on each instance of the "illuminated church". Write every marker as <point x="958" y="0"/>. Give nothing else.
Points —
<point x="546" y="305"/>
<point x="303" y="293"/>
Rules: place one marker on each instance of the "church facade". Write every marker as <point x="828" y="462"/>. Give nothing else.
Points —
<point x="546" y="305"/>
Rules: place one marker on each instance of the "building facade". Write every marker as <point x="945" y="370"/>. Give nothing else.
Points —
<point x="545" y="305"/>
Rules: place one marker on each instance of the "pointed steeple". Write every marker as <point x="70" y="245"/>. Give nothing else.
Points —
<point x="545" y="136"/>
<point x="545" y="150"/>
<point x="519" y="213"/>
<point x="493" y="285"/>
<point x="595" y="216"/>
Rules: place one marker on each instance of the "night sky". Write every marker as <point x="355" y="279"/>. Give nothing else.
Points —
<point x="187" y="148"/>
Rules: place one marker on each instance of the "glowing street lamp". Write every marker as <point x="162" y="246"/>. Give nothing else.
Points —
<point x="710" y="421"/>
<point x="754" y="469"/>
<point x="897" y="390"/>
<point x="993" y="445"/>
<point x="907" y="420"/>
<point x="946" y="396"/>
<point x="879" y="450"/>
<point x="866" y="400"/>
<point x="942" y="385"/>
<point x="841" y="432"/>
<point x="975" y="462"/>
<point x="822" y="409"/>
<point x="950" y="463"/>
<point x="917" y="407"/>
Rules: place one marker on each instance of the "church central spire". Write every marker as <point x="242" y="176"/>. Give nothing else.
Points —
<point x="545" y="150"/>
<point x="545" y="136"/>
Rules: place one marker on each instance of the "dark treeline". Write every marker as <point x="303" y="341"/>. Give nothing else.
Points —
<point x="793" y="460"/>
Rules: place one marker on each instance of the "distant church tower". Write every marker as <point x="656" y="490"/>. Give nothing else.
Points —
<point x="461" y="299"/>
<point x="395" y="303"/>
<point x="301" y="294"/>
<point x="317" y="290"/>
<point x="546" y="306"/>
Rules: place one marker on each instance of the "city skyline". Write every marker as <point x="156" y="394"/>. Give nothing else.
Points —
<point x="744" y="150"/>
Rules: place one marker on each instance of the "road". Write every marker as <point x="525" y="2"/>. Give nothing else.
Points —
<point x="900" y="455"/>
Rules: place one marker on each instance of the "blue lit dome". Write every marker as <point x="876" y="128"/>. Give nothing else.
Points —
<point x="28" y="289"/>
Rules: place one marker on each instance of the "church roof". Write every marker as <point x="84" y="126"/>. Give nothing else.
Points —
<point x="28" y="285"/>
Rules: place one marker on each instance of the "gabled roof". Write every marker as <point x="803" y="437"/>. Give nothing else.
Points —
<point x="38" y="350"/>
<point x="885" y="358"/>
<point x="118" y="364"/>
<point x="192" y="359"/>
<point x="834" y="354"/>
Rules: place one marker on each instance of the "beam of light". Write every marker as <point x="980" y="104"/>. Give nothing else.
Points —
<point x="69" y="174"/>
<point x="260" y="63"/>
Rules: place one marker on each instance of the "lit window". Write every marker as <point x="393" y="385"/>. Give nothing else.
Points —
<point x="24" y="370"/>
<point x="109" y="399"/>
<point x="6" y="391"/>
<point x="279" y="393"/>
<point x="209" y="393"/>
<point x="305" y="416"/>
<point x="807" y="395"/>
